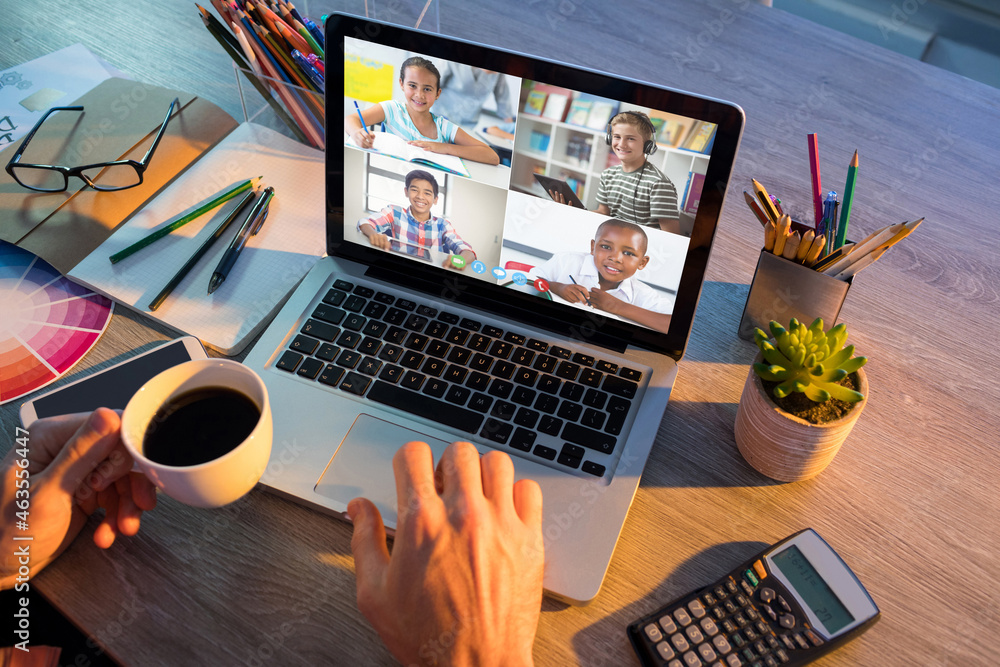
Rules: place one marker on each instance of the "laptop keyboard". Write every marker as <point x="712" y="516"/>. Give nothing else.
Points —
<point x="549" y="403"/>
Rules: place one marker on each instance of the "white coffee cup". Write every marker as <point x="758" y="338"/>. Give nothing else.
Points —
<point x="219" y="481"/>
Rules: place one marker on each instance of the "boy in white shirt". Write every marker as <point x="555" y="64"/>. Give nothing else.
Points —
<point x="604" y="278"/>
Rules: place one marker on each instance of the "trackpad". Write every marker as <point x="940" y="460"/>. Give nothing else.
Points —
<point x="362" y="465"/>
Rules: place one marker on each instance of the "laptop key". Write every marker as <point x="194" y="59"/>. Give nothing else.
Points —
<point x="375" y="328"/>
<point x="335" y="297"/>
<point x="433" y="367"/>
<point x="331" y="375"/>
<point x="569" y="410"/>
<point x="481" y="362"/>
<point x="546" y="403"/>
<point x="416" y="342"/>
<point x="583" y="359"/>
<point x="515" y="338"/>
<point x="593" y="468"/>
<point x="348" y="359"/>
<point x="304" y="344"/>
<point x="310" y="368"/>
<point x="390" y="353"/>
<point x="480" y="402"/>
<point x="527" y="418"/>
<point x="571" y="455"/>
<point x="427" y="407"/>
<point x="320" y="330"/>
<point x="405" y="304"/>
<point x="457" y="395"/>
<point x="471" y="325"/>
<point x="497" y="431"/>
<point x="459" y="355"/>
<point x="289" y="361"/>
<point x="355" y="383"/>
<point x="457" y="336"/>
<point x="522" y="356"/>
<point x="523" y="439"/>
<point x="343" y="285"/>
<point x="435" y="387"/>
<point x="478" y="381"/>
<point x="355" y="322"/>
<point x="592" y="418"/>
<point x="630" y="374"/>
<point x="328" y="352"/>
<point x="525" y="376"/>
<point x="449" y="318"/>
<point x="550" y="425"/>
<point x="395" y="335"/>
<point x="545" y="452"/>
<point x="437" y="329"/>
<point x="415" y="323"/>
<point x="349" y="339"/>
<point x="492" y="331"/>
<point x="391" y="373"/>
<point x="383" y="297"/>
<point x="595" y="398"/>
<point x="369" y="365"/>
<point x="412" y="381"/>
<point x="545" y="363"/>
<point x="589" y="438"/>
<point x="374" y="309"/>
<point x="619" y="387"/>
<point x="329" y="314"/>
<point x="370" y="345"/>
<point x="411" y="359"/>
<point x="455" y="373"/>
<point x="503" y="410"/>
<point x="523" y="395"/>
<point x="571" y="391"/>
<point x="500" y="349"/>
<point x="427" y="311"/>
<point x="395" y="315"/>
<point x="549" y="384"/>
<point x="364" y="292"/>
<point x="504" y="369"/>
<point x="590" y="377"/>
<point x="537" y="345"/>
<point x="560" y="352"/>
<point x="567" y="370"/>
<point x="500" y="388"/>
<point x="354" y="303"/>
<point x="479" y="342"/>
<point x="438" y="348"/>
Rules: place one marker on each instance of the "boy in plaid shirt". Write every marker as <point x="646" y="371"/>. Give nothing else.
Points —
<point x="415" y="225"/>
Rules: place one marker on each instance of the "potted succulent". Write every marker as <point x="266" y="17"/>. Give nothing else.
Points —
<point x="801" y="399"/>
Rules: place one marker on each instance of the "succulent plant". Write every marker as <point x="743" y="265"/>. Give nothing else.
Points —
<point x="808" y="360"/>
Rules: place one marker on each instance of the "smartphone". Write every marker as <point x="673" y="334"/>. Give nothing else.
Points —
<point x="111" y="387"/>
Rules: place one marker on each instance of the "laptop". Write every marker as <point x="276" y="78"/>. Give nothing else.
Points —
<point x="375" y="348"/>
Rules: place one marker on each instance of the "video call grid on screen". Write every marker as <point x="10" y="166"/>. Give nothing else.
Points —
<point x="510" y="222"/>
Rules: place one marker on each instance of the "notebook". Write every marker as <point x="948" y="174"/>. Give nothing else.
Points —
<point x="493" y="344"/>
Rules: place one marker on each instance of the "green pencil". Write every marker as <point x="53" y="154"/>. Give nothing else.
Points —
<point x="845" y="207"/>
<point x="183" y="220"/>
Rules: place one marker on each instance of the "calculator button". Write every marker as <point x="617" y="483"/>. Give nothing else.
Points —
<point x="760" y="646"/>
<point x="741" y="600"/>
<point x="770" y="612"/>
<point x="653" y="632"/>
<point x="767" y="594"/>
<point x="749" y="655"/>
<point x="709" y="626"/>
<point x="728" y="626"/>
<point x="731" y="587"/>
<point x="737" y="639"/>
<point x="772" y="642"/>
<point x="751" y="613"/>
<point x="668" y="625"/>
<point x="730" y="607"/>
<point x="706" y="652"/>
<point x="679" y="642"/>
<point x="758" y="568"/>
<point x="742" y="621"/>
<point x="750" y="634"/>
<point x="696" y="608"/>
<point x="800" y="640"/>
<point x="746" y="587"/>
<point x="813" y="637"/>
<point x="782" y="656"/>
<point x="665" y="651"/>
<point x="721" y="645"/>
<point x="720" y="592"/>
<point x="709" y="599"/>
<point x="769" y="661"/>
<point x="787" y="621"/>
<point x="675" y="663"/>
<point x="682" y="616"/>
<point x="691" y="659"/>
<point x="718" y="613"/>
<point x="784" y="604"/>
<point x="787" y="641"/>
<point x="733" y="660"/>
<point x="694" y="634"/>
<point x="763" y="629"/>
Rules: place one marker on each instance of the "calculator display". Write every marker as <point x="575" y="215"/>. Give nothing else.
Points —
<point x="813" y="589"/>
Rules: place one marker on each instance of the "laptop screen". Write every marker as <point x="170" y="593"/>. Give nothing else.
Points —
<point x="570" y="199"/>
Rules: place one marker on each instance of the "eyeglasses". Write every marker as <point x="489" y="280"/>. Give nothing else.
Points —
<point x="114" y="175"/>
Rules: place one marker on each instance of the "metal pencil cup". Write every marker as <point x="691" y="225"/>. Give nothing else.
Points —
<point x="783" y="289"/>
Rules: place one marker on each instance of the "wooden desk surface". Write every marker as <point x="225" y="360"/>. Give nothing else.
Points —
<point x="910" y="501"/>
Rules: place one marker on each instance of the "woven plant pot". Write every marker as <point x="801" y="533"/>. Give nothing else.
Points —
<point x="785" y="447"/>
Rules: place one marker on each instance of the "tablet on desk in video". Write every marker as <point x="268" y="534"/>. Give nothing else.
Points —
<point x="411" y="249"/>
<point x="562" y="187"/>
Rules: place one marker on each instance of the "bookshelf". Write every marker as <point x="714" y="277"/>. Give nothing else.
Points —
<point x="565" y="151"/>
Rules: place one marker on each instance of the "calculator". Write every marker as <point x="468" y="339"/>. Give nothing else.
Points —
<point x="790" y="604"/>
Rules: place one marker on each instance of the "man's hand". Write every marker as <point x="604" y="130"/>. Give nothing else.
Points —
<point x="463" y="585"/>
<point x="76" y="463"/>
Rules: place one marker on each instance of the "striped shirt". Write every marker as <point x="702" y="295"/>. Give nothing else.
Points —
<point x="398" y="122"/>
<point x="396" y="222"/>
<point x="654" y="199"/>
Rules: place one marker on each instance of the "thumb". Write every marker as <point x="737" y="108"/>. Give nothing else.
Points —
<point x="371" y="555"/>
<point x="92" y="443"/>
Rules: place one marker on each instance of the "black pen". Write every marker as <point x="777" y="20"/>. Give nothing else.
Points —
<point x="175" y="281"/>
<point x="576" y="283"/>
<point x="250" y="228"/>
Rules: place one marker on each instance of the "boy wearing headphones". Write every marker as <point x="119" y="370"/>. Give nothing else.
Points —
<point x="635" y="190"/>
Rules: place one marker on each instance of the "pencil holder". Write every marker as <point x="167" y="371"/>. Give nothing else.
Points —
<point x="783" y="289"/>
<point x="292" y="110"/>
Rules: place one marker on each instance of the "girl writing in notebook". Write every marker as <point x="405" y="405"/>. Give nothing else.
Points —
<point x="412" y="119"/>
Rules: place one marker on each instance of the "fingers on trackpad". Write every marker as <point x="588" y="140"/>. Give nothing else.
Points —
<point x="362" y="465"/>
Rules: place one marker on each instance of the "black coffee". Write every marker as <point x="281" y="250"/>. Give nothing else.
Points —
<point x="199" y="426"/>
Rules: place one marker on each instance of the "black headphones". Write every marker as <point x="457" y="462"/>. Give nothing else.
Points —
<point x="648" y="146"/>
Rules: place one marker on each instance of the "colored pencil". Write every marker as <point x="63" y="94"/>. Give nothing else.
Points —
<point x="184" y="219"/>
<point x="817" y="186"/>
<point x="752" y="203"/>
<point x="845" y="210"/>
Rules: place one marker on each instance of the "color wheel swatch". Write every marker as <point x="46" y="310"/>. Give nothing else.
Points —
<point x="47" y="322"/>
